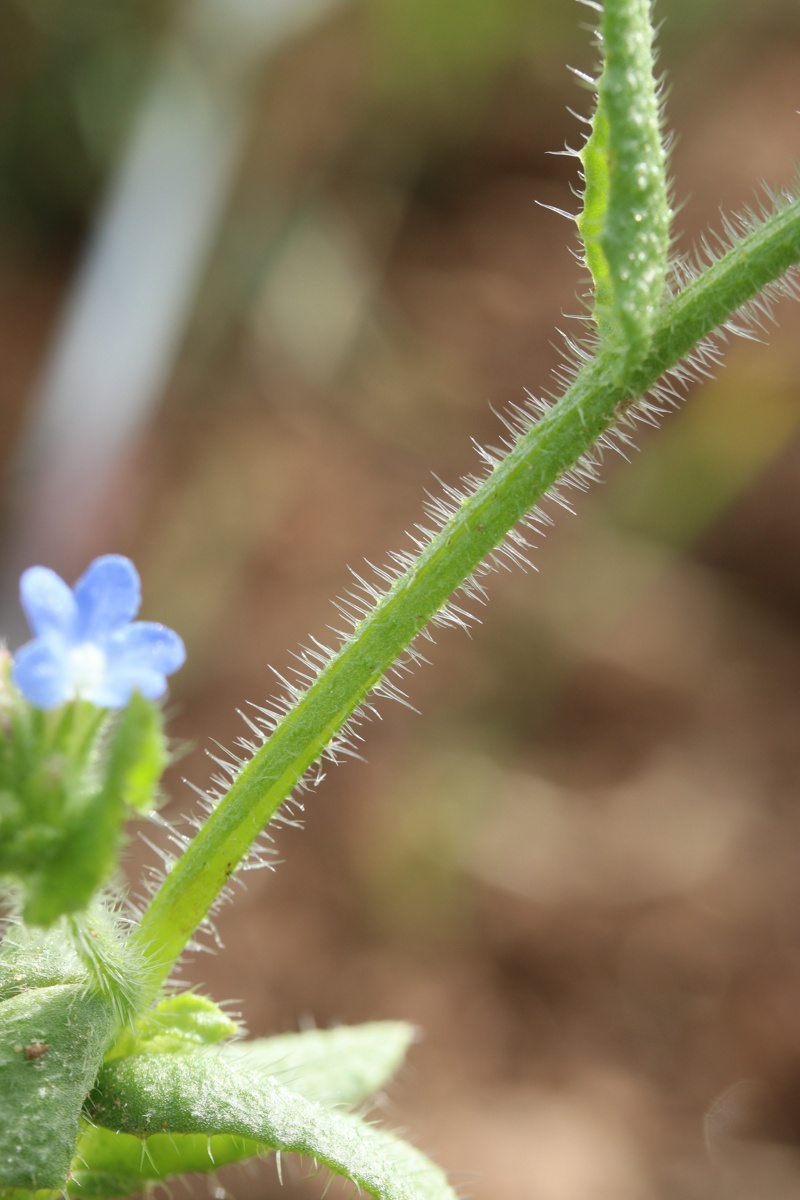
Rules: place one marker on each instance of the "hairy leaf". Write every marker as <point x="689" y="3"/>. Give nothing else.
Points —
<point x="52" y="1041"/>
<point x="201" y="1094"/>
<point x="334" y="1066"/>
<point x="109" y="1164"/>
<point x="342" y="1066"/>
<point x="36" y="959"/>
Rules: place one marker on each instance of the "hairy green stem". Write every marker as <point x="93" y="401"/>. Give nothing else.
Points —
<point x="523" y="477"/>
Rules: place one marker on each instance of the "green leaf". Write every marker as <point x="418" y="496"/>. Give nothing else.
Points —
<point x="88" y="949"/>
<point x="200" y="1094"/>
<point x="34" y="959"/>
<point x="52" y="1041"/>
<point x="176" y="1024"/>
<point x="343" y="1066"/>
<point x="626" y="217"/>
<point x="109" y="1164"/>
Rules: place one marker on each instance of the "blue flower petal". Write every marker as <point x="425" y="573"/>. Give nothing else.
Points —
<point x="119" y="685"/>
<point x="149" y="646"/>
<point x="87" y="646"/>
<point x="41" y="672"/>
<point x="48" y="603"/>
<point x="108" y="595"/>
<point x="114" y="691"/>
<point x="139" y="658"/>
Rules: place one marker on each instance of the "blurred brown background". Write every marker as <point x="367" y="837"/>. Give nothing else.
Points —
<point x="264" y="267"/>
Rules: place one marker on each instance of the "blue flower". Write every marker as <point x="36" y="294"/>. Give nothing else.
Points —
<point x="87" y="645"/>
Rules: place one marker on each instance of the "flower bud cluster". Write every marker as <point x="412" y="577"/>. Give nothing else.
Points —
<point x="81" y="735"/>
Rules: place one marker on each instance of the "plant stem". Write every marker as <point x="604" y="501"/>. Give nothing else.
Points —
<point x="523" y="477"/>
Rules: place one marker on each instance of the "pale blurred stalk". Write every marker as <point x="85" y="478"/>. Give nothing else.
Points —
<point x="127" y="311"/>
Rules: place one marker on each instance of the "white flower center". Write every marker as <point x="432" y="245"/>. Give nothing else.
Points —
<point x="87" y="668"/>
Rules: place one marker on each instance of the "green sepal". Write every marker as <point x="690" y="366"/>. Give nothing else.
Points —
<point x="68" y="778"/>
<point x="201" y="1094"/>
<point x="138" y="755"/>
<point x="46" y="773"/>
<point x="133" y="760"/>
